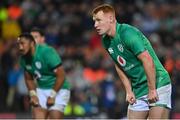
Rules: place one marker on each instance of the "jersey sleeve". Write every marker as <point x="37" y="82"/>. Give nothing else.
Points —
<point x="134" y="40"/>
<point x="52" y="58"/>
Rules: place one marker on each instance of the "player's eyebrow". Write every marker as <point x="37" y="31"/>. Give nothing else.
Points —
<point x="96" y="19"/>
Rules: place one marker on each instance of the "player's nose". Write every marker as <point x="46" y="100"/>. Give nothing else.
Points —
<point x="95" y="25"/>
<point x="20" y="47"/>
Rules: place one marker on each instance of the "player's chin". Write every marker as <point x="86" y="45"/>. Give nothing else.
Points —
<point x="22" y="53"/>
<point x="100" y="33"/>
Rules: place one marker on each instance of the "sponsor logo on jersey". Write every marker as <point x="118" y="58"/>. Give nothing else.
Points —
<point x="38" y="64"/>
<point x="129" y="67"/>
<point x="121" y="61"/>
<point x="110" y="50"/>
<point x="28" y="67"/>
<point x="120" y="47"/>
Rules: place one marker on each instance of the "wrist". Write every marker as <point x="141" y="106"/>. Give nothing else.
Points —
<point x="53" y="94"/>
<point x="152" y="88"/>
<point x="32" y="93"/>
<point x="129" y="91"/>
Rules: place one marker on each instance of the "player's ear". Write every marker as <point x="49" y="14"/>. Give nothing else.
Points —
<point x="32" y="43"/>
<point x="111" y="18"/>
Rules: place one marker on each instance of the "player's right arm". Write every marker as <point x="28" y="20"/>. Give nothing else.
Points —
<point x="31" y="88"/>
<point x="29" y="81"/>
<point x="130" y="97"/>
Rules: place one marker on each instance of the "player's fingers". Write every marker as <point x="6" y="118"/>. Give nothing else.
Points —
<point x="157" y="98"/>
<point x="132" y="101"/>
<point x="150" y="100"/>
<point x="135" y="101"/>
<point x="153" y="100"/>
<point x="50" y="104"/>
<point x="35" y="104"/>
<point x="127" y="99"/>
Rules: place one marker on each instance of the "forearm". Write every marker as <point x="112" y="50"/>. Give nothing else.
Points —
<point x="124" y="80"/>
<point x="58" y="84"/>
<point x="150" y="74"/>
<point x="30" y="84"/>
<point x="60" y="77"/>
<point x="149" y="68"/>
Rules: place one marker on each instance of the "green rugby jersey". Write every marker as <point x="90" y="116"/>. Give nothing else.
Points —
<point x="41" y="66"/>
<point x="124" y="48"/>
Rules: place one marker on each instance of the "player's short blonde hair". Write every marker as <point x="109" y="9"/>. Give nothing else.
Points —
<point x="106" y="8"/>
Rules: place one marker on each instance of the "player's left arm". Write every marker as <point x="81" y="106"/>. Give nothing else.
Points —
<point x="149" y="68"/>
<point x="55" y="64"/>
<point x="135" y="41"/>
<point x="60" y="77"/>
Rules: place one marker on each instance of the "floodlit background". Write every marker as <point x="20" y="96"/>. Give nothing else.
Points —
<point x="96" y="89"/>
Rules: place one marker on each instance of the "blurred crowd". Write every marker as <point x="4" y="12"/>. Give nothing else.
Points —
<point x="96" y="89"/>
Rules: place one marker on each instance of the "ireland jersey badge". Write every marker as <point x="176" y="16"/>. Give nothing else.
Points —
<point x="38" y="64"/>
<point x="120" y="48"/>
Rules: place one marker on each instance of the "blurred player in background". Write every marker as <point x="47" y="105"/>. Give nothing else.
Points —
<point x="38" y="35"/>
<point x="42" y="63"/>
<point x="147" y="83"/>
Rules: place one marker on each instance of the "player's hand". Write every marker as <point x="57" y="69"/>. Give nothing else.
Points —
<point x="130" y="97"/>
<point x="152" y="96"/>
<point x="34" y="101"/>
<point x="50" y="101"/>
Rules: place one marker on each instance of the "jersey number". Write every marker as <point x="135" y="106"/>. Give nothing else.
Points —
<point x="37" y="75"/>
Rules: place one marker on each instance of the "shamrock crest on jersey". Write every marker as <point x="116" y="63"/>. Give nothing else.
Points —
<point x="38" y="65"/>
<point x="120" y="48"/>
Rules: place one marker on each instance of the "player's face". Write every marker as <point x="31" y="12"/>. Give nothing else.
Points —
<point x="24" y="45"/>
<point x="38" y="38"/>
<point x="102" y="22"/>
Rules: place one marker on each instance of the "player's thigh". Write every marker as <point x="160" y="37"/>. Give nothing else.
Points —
<point x="163" y="105"/>
<point x="158" y="112"/>
<point x="139" y="110"/>
<point x="55" y="114"/>
<point x="61" y="101"/>
<point x="39" y="113"/>
<point x="42" y="97"/>
<point x="137" y="114"/>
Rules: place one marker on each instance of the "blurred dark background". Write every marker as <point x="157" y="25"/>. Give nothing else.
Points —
<point x="97" y="91"/>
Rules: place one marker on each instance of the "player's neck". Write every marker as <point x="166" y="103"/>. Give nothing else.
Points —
<point x="33" y="49"/>
<point x="112" y="31"/>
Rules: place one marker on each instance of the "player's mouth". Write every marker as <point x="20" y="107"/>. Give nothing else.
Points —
<point x="21" y="51"/>
<point x="98" y="30"/>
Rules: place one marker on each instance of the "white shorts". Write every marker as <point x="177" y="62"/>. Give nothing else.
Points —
<point x="164" y="94"/>
<point x="61" y="100"/>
